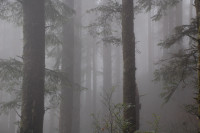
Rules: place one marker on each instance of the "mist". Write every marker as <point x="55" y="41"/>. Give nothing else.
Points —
<point x="99" y="66"/>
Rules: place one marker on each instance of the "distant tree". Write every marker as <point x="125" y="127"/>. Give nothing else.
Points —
<point x="67" y="66"/>
<point x="107" y="54"/>
<point x="32" y="111"/>
<point x="129" y="81"/>
<point x="77" y="66"/>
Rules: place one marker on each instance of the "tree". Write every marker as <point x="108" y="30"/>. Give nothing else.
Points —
<point x="55" y="14"/>
<point x="66" y="105"/>
<point x="150" y="44"/>
<point x="129" y="81"/>
<point x="33" y="68"/>
<point x="107" y="55"/>
<point x="197" y="6"/>
<point x="77" y="67"/>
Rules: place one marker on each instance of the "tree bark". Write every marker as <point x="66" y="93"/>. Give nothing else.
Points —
<point x="94" y="76"/>
<point x="191" y="9"/>
<point x="197" y="6"/>
<point x="129" y="80"/>
<point x="107" y="58"/>
<point x="34" y="64"/>
<point x="150" y="46"/>
<point x="66" y="106"/>
<point x="107" y="67"/>
<point x="77" y="68"/>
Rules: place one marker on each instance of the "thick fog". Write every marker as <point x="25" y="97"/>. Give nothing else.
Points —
<point x="92" y="65"/>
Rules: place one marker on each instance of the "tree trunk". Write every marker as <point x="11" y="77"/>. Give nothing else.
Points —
<point x="117" y="74"/>
<point x="150" y="46"/>
<point x="77" y="68"/>
<point x="66" y="106"/>
<point x="191" y="9"/>
<point x="197" y="6"/>
<point x="179" y="14"/>
<point x="107" y="67"/>
<point x="94" y="77"/>
<point x="129" y="80"/>
<point x="88" y="107"/>
<point x="34" y="64"/>
<point x="12" y="121"/>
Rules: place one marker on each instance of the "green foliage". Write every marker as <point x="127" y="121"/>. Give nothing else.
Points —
<point x="11" y="80"/>
<point x="192" y="109"/>
<point x="14" y="104"/>
<point x="108" y="14"/>
<point x="176" y="71"/>
<point x="179" y="33"/>
<point x="155" y="123"/>
<point x="179" y="69"/>
<point x="112" y="121"/>
<point x="107" y="11"/>
<point x="160" y="6"/>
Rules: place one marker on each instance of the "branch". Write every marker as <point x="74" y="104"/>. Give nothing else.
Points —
<point x="193" y="38"/>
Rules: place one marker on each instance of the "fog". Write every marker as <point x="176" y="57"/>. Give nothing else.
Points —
<point x="89" y="55"/>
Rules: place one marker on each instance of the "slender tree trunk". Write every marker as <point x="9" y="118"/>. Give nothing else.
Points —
<point x="87" y="94"/>
<point x="117" y="74"/>
<point x="107" y="59"/>
<point x="107" y="67"/>
<point x="66" y="106"/>
<point x="12" y="121"/>
<point x="94" y="77"/>
<point x="191" y="9"/>
<point x="150" y="45"/>
<point x="34" y="64"/>
<point x="197" y="6"/>
<point x="77" y="68"/>
<point x="179" y="13"/>
<point x="129" y="80"/>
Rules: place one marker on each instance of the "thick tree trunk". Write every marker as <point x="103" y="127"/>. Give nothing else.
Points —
<point x="34" y="65"/>
<point x="197" y="6"/>
<point x="129" y="80"/>
<point x="66" y="106"/>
